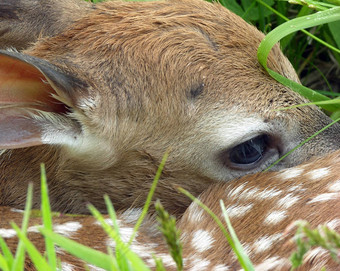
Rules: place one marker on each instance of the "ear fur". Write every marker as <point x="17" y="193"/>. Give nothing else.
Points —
<point x="35" y="98"/>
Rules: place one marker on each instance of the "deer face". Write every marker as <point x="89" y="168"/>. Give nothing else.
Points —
<point x="107" y="96"/>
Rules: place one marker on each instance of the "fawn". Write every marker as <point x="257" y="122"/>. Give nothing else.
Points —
<point x="262" y="208"/>
<point x="100" y="92"/>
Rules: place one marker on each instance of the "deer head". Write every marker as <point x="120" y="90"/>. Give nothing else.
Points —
<point x="262" y="208"/>
<point x="108" y="88"/>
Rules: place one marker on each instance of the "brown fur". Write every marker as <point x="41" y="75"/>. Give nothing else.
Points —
<point x="139" y="78"/>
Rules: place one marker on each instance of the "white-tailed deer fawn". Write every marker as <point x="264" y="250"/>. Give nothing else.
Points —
<point x="107" y="88"/>
<point x="261" y="207"/>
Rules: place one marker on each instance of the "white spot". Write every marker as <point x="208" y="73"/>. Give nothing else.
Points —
<point x="7" y="233"/>
<point x="287" y="201"/>
<point x="143" y="251"/>
<point x="290" y="173"/>
<point x="238" y="210"/>
<point x="247" y="249"/>
<point x="266" y="242"/>
<point x="126" y="234"/>
<point x="34" y="228"/>
<point x="318" y="173"/>
<point x="273" y="263"/>
<point x="248" y="193"/>
<point x="314" y="254"/>
<point x="199" y="264"/>
<point x="195" y="213"/>
<point x="333" y="224"/>
<point x="14" y="210"/>
<point x="202" y="240"/>
<point x="235" y="192"/>
<point x="131" y="215"/>
<point x="68" y="228"/>
<point x="334" y="187"/>
<point x="295" y="188"/>
<point x="94" y="268"/>
<point x="275" y="217"/>
<point x="220" y="267"/>
<point x="268" y="194"/>
<point x="324" y="197"/>
<point x="66" y="267"/>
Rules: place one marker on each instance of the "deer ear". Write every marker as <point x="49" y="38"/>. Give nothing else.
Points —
<point x="35" y="97"/>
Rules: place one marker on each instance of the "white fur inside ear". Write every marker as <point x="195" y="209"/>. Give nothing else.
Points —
<point x="65" y="131"/>
<point x="57" y="129"/>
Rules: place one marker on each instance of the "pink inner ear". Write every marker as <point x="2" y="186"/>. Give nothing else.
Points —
<point x="22" y="89"/>
<point x="22" y="83"/>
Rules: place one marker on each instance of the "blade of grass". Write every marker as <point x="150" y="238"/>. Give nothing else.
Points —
<point x="241" y="254"/>
<point x="302" y="143"/>
<point x="122" y="261"/>
<point x="334" y="101"/>
<point x="245" y="264"/>
<point x="6" y="252"/>
<point x="287" y="28"/>
<point x="304" y="91"/>
<point x="38" y="260"/>
<point x="149" y="197"/>
<point x="19" y="258"/>
<point x="80" y="251"/>
<point x="47" y="219"/>
<point x="4" y="266"/>
<point x="133" y="259"/>
<point x="322" y="17"/>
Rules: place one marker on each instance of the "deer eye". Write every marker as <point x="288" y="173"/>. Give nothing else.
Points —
<point x="249" y="152"/>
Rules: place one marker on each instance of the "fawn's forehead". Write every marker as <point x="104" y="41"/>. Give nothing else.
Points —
<point x="193" y="51"/>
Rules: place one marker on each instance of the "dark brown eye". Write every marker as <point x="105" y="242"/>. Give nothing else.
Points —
<point x="249" y="152"/>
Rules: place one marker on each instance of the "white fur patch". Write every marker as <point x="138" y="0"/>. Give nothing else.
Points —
<point x="275" y="217"/>
<point x="199" y="264"/>
<point x="143" y="251"/>
<point x="66" y="267"/>
<point x="290" y="173"/>
<point x="131" y="215"/>
<point x="333" y="224"/>
<point x="221" y="267"/>
<point x="287" y="201"/>
<point x="273" y="263"/>
<point x="319" y="173"/>
<point x="235" y="192"/>
<point x="68" y="228"/>
<point x="202" y="240"/>
<point x="94" y="268"/>
<point x="334" y="187"/>
<point x="265" y="242"/>
<point x="195" y="213"/>
<point x="324" y="197"/>
<point x="7" y="233"/>
<point x="268" y="194"/>
<point x="238" y="210"/>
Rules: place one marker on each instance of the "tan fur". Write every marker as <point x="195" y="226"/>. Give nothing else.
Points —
<point x="294" y="191"/>
<point x="145" y="77"/>
<point x="23" y="21"/>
